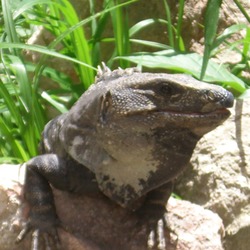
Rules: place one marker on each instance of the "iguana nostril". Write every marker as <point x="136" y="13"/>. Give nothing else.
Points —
<point x="228" y="101"/>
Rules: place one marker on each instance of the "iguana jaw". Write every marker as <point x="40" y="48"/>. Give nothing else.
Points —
<point x="220" y="114"/>
<point x="198" y="122"/>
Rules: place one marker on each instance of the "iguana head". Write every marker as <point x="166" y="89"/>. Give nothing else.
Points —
<point x="137" y="130"/>
<point x="145" y="101"/>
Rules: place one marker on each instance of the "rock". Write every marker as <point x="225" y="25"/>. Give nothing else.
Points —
<point x="194" y="227"/>
<point x="98" y="224"/>
<point x="219" y="176"/>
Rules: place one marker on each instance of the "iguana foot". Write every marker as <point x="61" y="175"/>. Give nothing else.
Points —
<point x="41" y="238"/>
<point x="153" y="214"/>
<point x="156" y="236"/>
<point x="161" y="235"/>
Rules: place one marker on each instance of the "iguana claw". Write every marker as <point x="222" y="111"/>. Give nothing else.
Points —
<point x="48" y="238"/>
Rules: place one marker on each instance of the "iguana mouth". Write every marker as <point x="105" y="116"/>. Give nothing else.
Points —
<point x="219" y="115"/>
<point x="218" y="112"/>
<point x="199" y="123"/>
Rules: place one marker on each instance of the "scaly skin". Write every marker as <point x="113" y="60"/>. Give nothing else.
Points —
<point x="133" y="133"/>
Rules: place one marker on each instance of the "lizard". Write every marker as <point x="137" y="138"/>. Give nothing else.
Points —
<point x="129" y="136"/>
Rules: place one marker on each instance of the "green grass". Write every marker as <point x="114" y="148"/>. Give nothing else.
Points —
<point x="177" y="59"/>
<point x="24" y="101"/>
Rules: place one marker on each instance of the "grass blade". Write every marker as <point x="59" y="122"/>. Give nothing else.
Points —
<point x="169" y="24"/>
<point x="144" y="24"/>
<point x="211" y="24"/>
<point x="10" y="104"/>
<point x="9" y="23"/>
<point x="243" y="11"/>
<point x="121" y="34"/>
<point x="180" y="43"/>
<point x="43" y="50"/>
<point x="15" y="146"/>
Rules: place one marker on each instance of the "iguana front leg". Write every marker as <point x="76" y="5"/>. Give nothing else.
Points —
<point x="42" y="171"/>
<point x="153" y="212"/>
<point x="42" y="218"/>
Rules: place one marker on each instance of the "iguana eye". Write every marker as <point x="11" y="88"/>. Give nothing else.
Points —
<point x="166" y="90"/>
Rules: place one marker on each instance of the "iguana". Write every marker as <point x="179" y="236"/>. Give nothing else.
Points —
<point x="129" y="136"/>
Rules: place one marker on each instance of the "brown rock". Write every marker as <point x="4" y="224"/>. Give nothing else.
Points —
<point x="98" y="224"/>
<point x="220" y="175"/>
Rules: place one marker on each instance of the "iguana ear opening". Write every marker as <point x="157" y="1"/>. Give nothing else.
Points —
<point x="106" y="102"/>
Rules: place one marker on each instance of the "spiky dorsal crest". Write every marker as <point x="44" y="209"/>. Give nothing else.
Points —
<point x="104" y="72"/>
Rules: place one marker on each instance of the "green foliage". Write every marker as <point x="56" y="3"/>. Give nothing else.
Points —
<point x="210" y="30"/>
<point x="190" y="64"/>
<point x="24" y="100"/>
<point x="177" y="58"/>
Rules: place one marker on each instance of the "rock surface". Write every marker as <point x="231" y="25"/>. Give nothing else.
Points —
<point x="219" y="178"/>
<point x="98" y="224"/>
